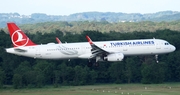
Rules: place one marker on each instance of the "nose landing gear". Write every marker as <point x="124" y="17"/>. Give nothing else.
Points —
<point x="156" y="57"/>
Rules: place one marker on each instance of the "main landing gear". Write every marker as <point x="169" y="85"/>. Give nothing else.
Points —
<point x="93" y="63"/>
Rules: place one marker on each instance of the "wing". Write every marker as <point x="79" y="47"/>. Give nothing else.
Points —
<point x="96" y="51"/>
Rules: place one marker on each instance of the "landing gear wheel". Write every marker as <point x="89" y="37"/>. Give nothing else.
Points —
<point x="89" y="64"/>
<point x="96" y="64"/>
<point x="93" y="63"/>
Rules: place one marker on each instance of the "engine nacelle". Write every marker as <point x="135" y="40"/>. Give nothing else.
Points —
<point x="115" y="57"/>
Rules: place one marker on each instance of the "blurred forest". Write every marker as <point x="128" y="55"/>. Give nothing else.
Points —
<point x="103" y="26"/>
<point x="23" y="72"/>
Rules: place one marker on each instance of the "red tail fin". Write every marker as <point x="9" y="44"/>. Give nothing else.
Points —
<point x="18" y="37"/>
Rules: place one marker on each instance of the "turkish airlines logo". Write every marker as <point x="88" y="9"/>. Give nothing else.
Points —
<point x="18" y="40"/>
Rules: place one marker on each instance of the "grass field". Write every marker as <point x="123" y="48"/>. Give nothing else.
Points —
<point x="108" y="89"/>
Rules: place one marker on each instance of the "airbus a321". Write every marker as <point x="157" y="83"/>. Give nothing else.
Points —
<point x="93" y="51"/>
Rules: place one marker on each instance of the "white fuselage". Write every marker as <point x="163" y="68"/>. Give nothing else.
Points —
<point x="83" y="49"/>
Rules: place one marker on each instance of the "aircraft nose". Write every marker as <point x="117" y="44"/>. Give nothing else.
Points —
<point x="173" y="48"/>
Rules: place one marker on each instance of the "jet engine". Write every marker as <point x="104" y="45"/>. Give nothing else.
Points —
<point x="114" y="57"/>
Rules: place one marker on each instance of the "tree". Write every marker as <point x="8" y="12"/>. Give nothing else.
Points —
<point x="17" y="81"/>
<point x="2" y="77"/>
<point x="117" y="72"/>
<point x="132" y="69"/>
<point x="63" y="72"/>
<point x="21" y="73"/>
<point x="90" y="75"/>
<point x="80" y="74"/>
<point x="153" y="73"/>
<point x="44" y="71"/>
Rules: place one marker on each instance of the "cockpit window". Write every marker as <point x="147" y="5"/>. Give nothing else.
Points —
<point x="166" y="43"/>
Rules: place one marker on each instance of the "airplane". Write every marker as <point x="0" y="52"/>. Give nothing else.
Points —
<point x="93" y="51"/>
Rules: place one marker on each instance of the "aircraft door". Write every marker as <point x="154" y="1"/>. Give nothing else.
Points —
<point x="83" y="50"/>
<point x="158" y="45"/>
<point x="38" y="54"/>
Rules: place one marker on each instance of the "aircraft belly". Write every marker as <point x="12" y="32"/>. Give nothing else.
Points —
<point x="29" y="53"/>
<point x="57" y="55"/>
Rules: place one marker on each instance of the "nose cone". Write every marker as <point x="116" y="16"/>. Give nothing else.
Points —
<point x="173" y="48"/>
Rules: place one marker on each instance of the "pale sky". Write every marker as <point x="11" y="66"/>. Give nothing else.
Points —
<point x="67" y="7"/>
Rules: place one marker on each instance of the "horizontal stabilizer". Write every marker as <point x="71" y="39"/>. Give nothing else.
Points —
<point x="20" y="50"/>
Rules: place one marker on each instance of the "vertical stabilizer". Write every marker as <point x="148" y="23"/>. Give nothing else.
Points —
<point x="18" y="37"/>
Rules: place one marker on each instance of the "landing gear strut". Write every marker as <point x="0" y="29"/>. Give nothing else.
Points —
<point x="92" y="63"/>
<point x="156" y="57"/>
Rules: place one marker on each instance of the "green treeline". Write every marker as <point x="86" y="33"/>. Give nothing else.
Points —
<point x="103" y="26"/>
<point x="23" y="72"/>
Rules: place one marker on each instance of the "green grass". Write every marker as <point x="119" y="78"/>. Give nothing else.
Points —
<point x="108" y="89"/>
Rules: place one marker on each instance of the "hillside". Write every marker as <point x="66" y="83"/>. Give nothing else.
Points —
<point x="80" y="26"/>
<point x="110" y="17"/>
